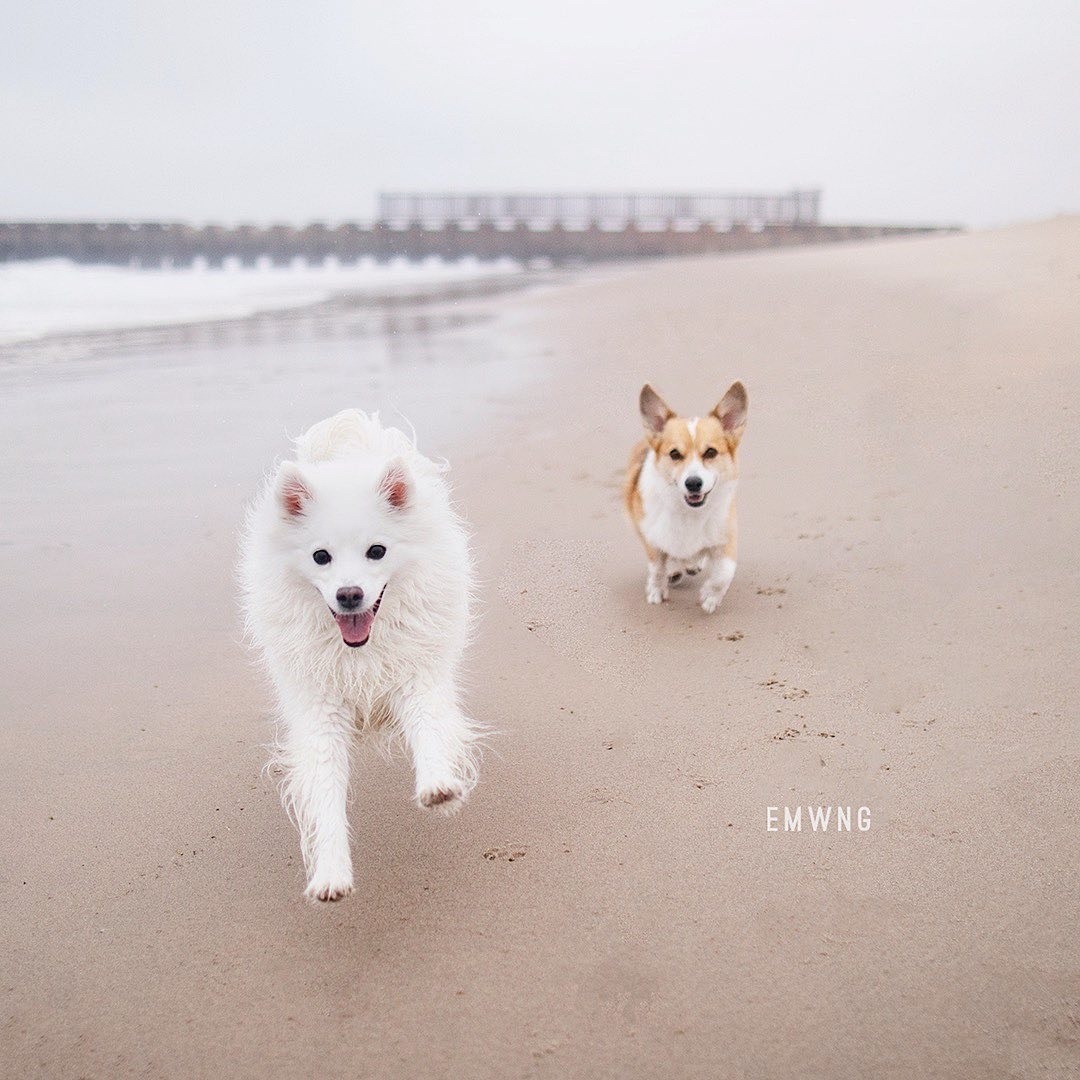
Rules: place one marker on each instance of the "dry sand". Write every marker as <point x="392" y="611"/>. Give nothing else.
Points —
<point x="901" y="634"/>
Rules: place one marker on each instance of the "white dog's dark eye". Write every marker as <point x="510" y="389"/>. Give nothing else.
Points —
<point x="322" y="556"/>
<point x="710" y="453"/>
<point x="376" y="551"/>
<point x="676" y="456"/>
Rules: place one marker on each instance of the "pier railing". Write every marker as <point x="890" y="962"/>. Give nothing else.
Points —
<point x="582" y="208"/>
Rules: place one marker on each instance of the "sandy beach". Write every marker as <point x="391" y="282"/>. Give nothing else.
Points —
<point x="901" y="635"/>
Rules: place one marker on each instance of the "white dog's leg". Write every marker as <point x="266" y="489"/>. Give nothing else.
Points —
<point x="656" y="579"/>
<point x="716" y="583"/>
<point x="443" y="744"/>
<point x="314" y="753"/>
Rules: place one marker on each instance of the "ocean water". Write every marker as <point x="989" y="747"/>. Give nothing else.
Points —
<point x="48" y="297"/>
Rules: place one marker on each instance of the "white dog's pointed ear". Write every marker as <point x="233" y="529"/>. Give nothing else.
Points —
<point x="731" y="412"/>
<point x="396" y="486"/>
<point x="654" y="410"/>
<point x="293" y="494"/>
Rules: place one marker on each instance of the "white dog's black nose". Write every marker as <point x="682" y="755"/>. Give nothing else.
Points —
<point x="694" y="484"/>
<point x="350" y="599"/>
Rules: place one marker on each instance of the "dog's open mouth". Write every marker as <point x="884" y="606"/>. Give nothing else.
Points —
<point x="696" y="499"/>
<point x="355" y="627"/>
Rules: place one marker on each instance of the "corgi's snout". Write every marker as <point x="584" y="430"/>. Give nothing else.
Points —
<point x="350" y="599"/>
<point x="696" y="486"/>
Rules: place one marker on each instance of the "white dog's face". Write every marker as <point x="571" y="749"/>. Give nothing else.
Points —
<point x="345" y="523"/>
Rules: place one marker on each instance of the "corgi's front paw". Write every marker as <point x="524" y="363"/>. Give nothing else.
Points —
<point x="710" y="601"/>
<point x="656" y="594"/>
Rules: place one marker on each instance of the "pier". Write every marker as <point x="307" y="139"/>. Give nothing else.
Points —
<point x="555" y="228"/>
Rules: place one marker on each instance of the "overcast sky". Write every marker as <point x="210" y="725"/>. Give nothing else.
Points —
<point x="259" y="110"/>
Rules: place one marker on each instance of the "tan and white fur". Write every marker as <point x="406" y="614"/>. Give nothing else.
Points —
<point x="680" y="494"/>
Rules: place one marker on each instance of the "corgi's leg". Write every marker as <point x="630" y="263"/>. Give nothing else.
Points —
<point x="720" y="571"/>
<point x="716" y="583"/>
<point x="656" y="578"/>
<point x="443" y="742"/>
<point x="314" y="754"/>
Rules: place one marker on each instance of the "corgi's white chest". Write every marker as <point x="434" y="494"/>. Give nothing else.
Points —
<point x="679" y="530"/>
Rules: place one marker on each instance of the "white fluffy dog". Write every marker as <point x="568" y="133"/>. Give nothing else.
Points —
<point x="356" y="580"/>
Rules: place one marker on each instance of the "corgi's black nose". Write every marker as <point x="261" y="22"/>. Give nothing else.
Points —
<point x="350" y="599"/>
<point x="694" y="484"/>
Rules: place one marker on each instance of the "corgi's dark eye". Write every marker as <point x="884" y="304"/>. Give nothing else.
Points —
<point x="376" y="551"/>
<point x="322" y="556"/>
<point x="710" y="453"/>
<point x="675" y="455"/>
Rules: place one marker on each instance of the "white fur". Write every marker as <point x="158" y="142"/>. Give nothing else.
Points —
<point x="690" y="537"/>
<point x="717" y="582"/>
<point x="403" y="683"/>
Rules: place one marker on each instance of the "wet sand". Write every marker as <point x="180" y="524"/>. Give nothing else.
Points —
<point x="901" y="635"/>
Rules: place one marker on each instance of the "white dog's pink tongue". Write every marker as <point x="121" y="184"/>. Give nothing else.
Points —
<point x="355" y="629"/>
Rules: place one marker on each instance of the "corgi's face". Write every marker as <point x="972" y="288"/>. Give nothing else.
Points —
<point x="694" y="455"/>
<point x="345" y="530"/>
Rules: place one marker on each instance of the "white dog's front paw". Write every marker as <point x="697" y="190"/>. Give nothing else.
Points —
<point x="445" y="797"/>
<point x="656" y="594"/>
<point x="327" y="888"/>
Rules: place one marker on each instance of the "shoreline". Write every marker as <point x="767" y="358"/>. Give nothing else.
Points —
<point x="341" y="300"/>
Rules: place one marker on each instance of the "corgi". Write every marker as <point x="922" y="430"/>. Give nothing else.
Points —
<point x="680" y="494"/>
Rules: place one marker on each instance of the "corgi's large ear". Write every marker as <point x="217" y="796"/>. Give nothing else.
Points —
<point x="654" y="410"/>
<point x="396" y="486"/>
<point x="731" y="412"/>
<point x="293" y="494"/>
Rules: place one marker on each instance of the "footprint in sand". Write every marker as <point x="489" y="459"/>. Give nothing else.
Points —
<point x="504" y="854"/>
<point x="788" y="693"/>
